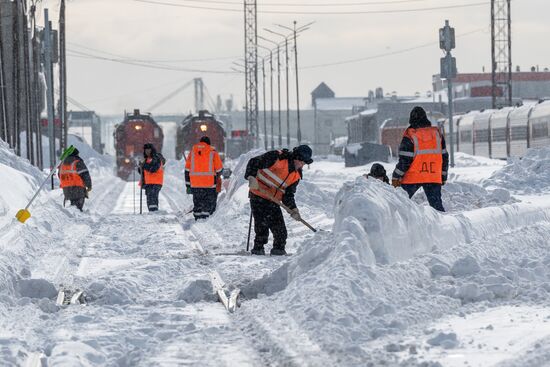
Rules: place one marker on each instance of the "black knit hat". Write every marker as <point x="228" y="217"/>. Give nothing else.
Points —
<point x="303" y="153"/>
<point x="418" y="118"/>
<point x="205" y="139"/>
<point x="377" y="170"/>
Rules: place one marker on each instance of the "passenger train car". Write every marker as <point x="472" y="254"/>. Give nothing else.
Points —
<point x="503" y="133"/>
<point x="194" y="127"/>
<point x="130" y="136"/>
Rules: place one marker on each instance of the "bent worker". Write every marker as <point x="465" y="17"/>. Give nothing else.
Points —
<point x="151" y="170"/>
<point x="203" y="169"/>
<point x="423" y="159"/>
<point x="273" y="178"/>
<point x="379" y="172"/>
<point x="75" y="180"/>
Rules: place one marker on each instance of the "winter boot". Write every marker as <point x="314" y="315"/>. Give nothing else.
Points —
<point x="275" y="251"/>
<point x="257" y="251"/>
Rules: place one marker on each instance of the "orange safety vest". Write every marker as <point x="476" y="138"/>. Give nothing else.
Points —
<point x="274" y="180"/>
<point x="203" y="164"/>
<point x="428" y="160"/>
<point x="69" y="176"/>
<point x="153" y="178"/>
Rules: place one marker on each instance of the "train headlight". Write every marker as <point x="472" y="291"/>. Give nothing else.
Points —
<point x="126" y="160"/>
<point x="204" y="128"/>
<point x="138" y="127"/>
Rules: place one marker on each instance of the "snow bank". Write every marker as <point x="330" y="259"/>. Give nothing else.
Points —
<point x="462" y="196"/>
<point x="467" y="160"/>
<point x="529" y="174"/>
<point x="96" y="163"/>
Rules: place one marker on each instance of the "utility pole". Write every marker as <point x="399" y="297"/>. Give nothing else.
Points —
<point x="501" y="53"/>
<point x="63" y="77"/>
<point x="49" y="86"/>
<point x="271" y="96"/>
<point x="3" y="97"/>
<point x="265" y="107"/>
<point x="299" y="132"/>
<point x="251" y="68"/>
<point x="448" y="71"/>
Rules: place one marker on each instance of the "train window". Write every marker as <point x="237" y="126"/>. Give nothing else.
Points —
<point x="482" y="136"/>
<point x="466" y="136"/>
<point x="540" y="130"/>
<point x="519" y="133"/>
<point x="499" y="134"/>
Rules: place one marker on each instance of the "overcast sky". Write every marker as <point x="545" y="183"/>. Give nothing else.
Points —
<point x="169" y="36"/>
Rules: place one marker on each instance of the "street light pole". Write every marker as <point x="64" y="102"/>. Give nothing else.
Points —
<point x="271" y="91"/>
<point x="280" y="139"/>
<point x="287" y="59"/>
<point x="265" y="107"/>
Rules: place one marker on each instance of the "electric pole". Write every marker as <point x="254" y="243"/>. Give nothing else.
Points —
<point x="501" y="53"/>
<point x="49" y="86"/>
<point x="63" y="77"/>
<point x="251" y="68"/>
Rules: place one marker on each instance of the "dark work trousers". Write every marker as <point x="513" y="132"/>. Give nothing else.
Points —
<point x="204" y="202"/>
<point x="79" y="203"/>
<point x="267" y="217"/>
<point x="432" y="191"/>
<point x="152" y="192"/>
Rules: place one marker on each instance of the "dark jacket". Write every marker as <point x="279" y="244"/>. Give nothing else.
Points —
<point x="267" y="160"/>
<point x="75" y="193"/>
<point x="407" y="147"/>
<point x="157" y="161"/>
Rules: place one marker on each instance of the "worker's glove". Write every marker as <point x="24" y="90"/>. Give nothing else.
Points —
<point x="88" y="189"/>
<point x="295" y="214"/>
<point x="188" y="190"/>
<point x="253" y="183"/>
<point x="396" y="182"/>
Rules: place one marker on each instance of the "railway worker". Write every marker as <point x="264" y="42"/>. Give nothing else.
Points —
<point x="423" y="159"/>
<point x="273" y="178"/>
<point x="379" y="172"/>
<point x="203" y="169"/>
<point x="151" y="170"/>
<point x="75" y="180"/>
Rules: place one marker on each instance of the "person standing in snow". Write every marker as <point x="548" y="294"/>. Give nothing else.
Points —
<point x="273" y="178"/>
<point x="151" y="170"/>
<point x="423" y="159"/>
<point x="379" y="172"/>
<point x="203" y="169"/>
<point x="75" y="180"/>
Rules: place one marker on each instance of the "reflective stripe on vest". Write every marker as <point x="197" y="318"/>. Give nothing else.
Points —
<point x="427" y="157"/>
<point x="204" y="164"/>
<point x="274" y="181"/>
<point x="69" y="176"/>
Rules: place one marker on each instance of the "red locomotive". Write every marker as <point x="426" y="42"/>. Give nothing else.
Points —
<point x="194" y="127"/>
<point x="130" y="136"/>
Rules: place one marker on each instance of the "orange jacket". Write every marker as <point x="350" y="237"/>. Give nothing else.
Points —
<point x="202" y="166"/>
<point x="428" y="160"/>
<point x="274" y="180"/>
<point x="153" y="178"/>
<point x="69" y="176"/>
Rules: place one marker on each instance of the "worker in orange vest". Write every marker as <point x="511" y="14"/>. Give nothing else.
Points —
<point x="75" y="180"/>
<point x="151" y="170"/>
<point x="203" y="169"/>
<point x="273" y="178"/>
<point x="423" y="159"/>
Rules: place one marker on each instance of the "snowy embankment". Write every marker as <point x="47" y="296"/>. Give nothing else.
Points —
<point x="391" y="266"/>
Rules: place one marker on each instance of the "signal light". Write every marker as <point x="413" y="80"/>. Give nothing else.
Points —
<point x="138" y="127"/>
<point x="204" y="128"/>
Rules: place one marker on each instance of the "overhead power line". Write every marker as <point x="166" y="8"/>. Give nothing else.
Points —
<point x="297" y="4"/>
<point x="355" y="12"/>
<point x="397" y="52"/>
<point x="80" y="54"/>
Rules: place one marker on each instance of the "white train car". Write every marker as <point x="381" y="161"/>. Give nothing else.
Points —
<point x="481" y="139"/>
<point x="499" y="128"/>
<point x="539" y="121"/>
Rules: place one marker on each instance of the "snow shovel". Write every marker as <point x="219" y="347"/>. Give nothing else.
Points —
<point x="24" y="214"/>
<point x="290" y="211"/>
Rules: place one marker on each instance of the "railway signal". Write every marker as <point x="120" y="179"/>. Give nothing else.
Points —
<point x="448" y="71"/>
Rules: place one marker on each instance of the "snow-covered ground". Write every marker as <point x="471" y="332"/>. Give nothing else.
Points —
<point x="386" y="280"/>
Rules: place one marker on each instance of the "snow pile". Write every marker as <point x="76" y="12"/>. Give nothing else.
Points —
<point x="384" y="219"/>
<point x="461" y="196"/>
<point x="467" y="160"/>
<point x="529" y="174"/>
<point x="390" y="265"/>
<point x="10" y="159"/>
<point x="96" y="163"/>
